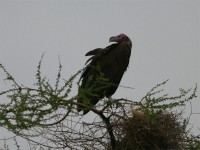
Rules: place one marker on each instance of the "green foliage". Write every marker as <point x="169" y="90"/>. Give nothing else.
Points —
<point x="155" y="100"/>
<point x="30" y="107"/>
<point x="154" y="124"/>
<point x="46" y="111"/>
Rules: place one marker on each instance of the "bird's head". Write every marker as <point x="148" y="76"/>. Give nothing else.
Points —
<point x="121" y="38"/>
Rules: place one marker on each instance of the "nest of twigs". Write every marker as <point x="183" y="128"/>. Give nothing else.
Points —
<point x="152" y="131"/>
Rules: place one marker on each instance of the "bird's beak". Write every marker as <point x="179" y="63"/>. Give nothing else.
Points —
<point x="113" y="39"/>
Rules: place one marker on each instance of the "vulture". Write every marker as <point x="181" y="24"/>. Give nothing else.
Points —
<point x="103" y="72"/>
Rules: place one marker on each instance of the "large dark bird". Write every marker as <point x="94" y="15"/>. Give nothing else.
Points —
<point x="103" y="74"/>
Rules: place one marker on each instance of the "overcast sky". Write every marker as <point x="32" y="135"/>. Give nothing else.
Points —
<point x="165" y="36"/>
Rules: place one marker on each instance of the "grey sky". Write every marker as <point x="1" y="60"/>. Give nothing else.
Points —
<point x="165" y="36"/>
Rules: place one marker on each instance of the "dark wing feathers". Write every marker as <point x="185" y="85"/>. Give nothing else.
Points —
<point x="113" y="62"/>
<point x="94" y="52"/>
<point x="98" y="52"/>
